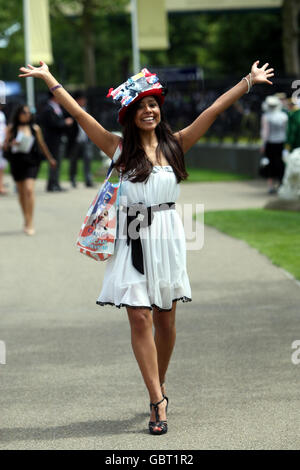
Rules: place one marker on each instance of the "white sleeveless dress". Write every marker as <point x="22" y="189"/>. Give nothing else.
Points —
<point x="164" y="250"/>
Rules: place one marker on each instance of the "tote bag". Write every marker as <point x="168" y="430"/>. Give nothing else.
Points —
<point x="97" y="235"/>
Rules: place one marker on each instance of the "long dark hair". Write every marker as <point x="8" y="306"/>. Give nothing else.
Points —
<point x="15" y="119"/>
<point x="133" y="158"/>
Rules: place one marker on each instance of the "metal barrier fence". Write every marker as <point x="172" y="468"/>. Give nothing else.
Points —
<point x="184" y="102"/>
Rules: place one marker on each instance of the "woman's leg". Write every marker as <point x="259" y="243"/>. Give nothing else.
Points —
<point x="22" y="198"/>
<point x="165" y="336"/>
<point x="145" y="352"/>
<point x="29" y="203"/>
<point x="269" y="153"/>
<point x="2" y="188"/>
<point x="270" y="184"/>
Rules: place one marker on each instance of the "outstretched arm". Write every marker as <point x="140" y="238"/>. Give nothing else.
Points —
<point x="104" y="139"/>
<point x="191" y="134"/>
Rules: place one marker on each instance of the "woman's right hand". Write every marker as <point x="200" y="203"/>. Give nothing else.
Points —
<point x="52" y="163"/>
<point x="37" y="72"/>
<point x="8" y="144"/>
<point x="105" y="140"/>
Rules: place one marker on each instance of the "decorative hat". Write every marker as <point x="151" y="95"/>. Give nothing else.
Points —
<point x="135" y="88"/>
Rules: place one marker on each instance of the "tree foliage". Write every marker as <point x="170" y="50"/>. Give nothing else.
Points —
<point x="13" y="53"/>
<point x="223" y="44"/>
<point x="291" y="34"/>
<point x="92" y="46"/>
<point x="85" y="21"/>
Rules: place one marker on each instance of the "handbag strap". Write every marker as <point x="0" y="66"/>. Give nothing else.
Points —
<point x="115" y="157"/>
<point x="113" y="160"/>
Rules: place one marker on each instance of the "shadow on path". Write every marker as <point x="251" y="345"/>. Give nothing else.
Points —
<point x="75" y="430"/>
<point x="12" y="232"/>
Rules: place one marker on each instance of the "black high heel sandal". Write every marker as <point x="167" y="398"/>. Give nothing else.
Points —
<point x="163" y="425"/>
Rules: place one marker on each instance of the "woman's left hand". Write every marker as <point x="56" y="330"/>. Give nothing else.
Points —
<point x="261" y="75"/>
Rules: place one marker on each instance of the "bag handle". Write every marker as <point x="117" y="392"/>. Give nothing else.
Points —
<point x="114" y="158"/>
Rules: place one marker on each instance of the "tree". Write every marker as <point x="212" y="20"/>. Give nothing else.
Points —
<point x="84" y="20"/>
<point x="11" y="37"/>
<point x="290" y="36"/>
<point x="91" y="42"/>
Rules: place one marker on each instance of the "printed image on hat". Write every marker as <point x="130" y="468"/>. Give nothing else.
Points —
<point x="135" y="88"/>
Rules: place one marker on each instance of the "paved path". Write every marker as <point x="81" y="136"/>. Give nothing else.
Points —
<point x="71" y="380"/>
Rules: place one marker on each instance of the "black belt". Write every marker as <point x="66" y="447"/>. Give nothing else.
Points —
<point x="143" y="216"/>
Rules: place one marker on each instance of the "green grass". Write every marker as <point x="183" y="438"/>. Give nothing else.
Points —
<point x="229" y="140"/>
<point x="196" y="175"/>
<point x="276" y="234"/>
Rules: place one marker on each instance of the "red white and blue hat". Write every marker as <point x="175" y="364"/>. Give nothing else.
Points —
<point x="135" y="88"/>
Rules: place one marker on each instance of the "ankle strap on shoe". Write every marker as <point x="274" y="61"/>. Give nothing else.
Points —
<point x="157" y="403"/>
<point x="156" y="407"/>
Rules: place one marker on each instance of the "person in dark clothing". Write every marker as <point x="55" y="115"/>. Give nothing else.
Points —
<point x="293" y="134"/>
<point x="23" y="143"/>
<point x="79" y="146"/>
<point x="53" y="124"/>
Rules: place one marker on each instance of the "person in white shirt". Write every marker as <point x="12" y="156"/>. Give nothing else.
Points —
<point x="273" y="134"/>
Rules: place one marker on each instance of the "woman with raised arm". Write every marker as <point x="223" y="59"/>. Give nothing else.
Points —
<point x="148" y="273"/>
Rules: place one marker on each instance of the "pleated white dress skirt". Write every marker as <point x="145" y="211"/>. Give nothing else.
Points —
<point x="164" y="250"/>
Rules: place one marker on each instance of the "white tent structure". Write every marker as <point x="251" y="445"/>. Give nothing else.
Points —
<point x="206" y="5"/>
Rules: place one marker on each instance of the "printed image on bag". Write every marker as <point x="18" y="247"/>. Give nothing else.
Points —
<point x="97" y="235"/>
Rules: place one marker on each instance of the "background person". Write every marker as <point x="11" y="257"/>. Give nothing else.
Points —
<point x="274" y="123"/>
<point x="293" y="134"/>
<point x="79" y="147"/>
<point x="22" y="142"/>
<point x="54" y="123"/>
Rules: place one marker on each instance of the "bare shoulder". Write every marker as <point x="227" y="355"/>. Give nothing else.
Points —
<point x="36" y="127"/>
<point x="116" y="146"/>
